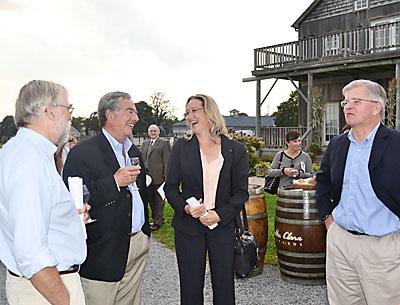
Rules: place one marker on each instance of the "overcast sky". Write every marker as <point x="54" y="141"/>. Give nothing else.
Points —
<point x="180" y="47"/>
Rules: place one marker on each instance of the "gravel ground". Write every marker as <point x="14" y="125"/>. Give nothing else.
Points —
<point x="161" y="285"/>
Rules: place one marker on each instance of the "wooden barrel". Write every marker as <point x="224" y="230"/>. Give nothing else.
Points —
<point x="300" y="238"/>
<point x="258" y="224"/>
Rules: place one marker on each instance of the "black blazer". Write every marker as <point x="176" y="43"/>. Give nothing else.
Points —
<point x="383" y="166"/>
<point x="185" y="170"/>
<point x="108" y="242"/>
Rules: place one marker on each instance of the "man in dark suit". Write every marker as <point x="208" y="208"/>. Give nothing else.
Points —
<point x="118" y="241"/>
<point x="156" y="153"/>
<point x="358" y="197"/>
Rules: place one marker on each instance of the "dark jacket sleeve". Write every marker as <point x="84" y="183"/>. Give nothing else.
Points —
<point x="239" y="186"/>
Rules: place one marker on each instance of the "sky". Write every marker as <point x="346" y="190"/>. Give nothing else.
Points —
<point x="180" y="47"/>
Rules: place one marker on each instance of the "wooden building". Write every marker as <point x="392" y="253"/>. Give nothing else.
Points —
<point x="338" y="41"/>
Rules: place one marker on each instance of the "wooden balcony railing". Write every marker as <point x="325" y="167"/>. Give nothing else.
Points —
<point x="379" y="38"/>
<point x="274" y="137"/>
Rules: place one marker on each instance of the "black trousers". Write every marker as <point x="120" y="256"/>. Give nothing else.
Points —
<point x="191" y="255"/>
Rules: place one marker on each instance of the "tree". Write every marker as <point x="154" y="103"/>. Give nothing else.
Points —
<point x="287" y="114"/>
<point x="162" y="111"/>
<point x="146" y="118"/>
<point x="78" y="122"/>
<point x="92" y="123"/>
<point x="7" y="128"/>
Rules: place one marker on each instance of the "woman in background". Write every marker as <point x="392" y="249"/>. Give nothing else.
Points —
<point x="213" y="169"/>
<point x="295" y="163"/>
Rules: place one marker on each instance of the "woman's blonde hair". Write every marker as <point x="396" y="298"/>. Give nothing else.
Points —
<point x="217" y="122"/>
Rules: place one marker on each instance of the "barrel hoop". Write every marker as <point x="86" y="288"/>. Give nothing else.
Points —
<point x="278" y="208"/>
<point x="257" y="216"/>
<point x="299" y="221"/>
<point x="295" y="201"/>
<point x="305" y="266"/>
<point x="302" y="255"/>
<point x="303" y="275"/>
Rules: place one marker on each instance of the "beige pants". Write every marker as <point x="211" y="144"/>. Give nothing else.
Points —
<point x="20" y="290"/>
<point x="362" y="269"/>
<point x="128" y="290"/>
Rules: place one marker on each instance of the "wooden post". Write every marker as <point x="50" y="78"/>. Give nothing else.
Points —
<point x="398" y="95"/>
<point x="258" y="108"/>
<point x="309" y="100"/>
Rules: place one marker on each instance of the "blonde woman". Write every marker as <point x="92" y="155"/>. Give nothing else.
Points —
<point x="213" y="169"/>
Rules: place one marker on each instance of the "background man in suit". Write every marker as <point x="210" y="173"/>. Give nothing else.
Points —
<point x="358" y="197"/>
<point x="41" y="236"/>
<point x="118" y="241"/>
<point x="156" y="153"/>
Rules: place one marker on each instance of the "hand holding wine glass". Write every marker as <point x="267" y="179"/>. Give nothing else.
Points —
<point x="134" y="161"/>
<point x="87" y="207"/>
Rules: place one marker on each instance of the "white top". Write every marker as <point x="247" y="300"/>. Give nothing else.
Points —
<point x="211" y="172"/>
<point x="39" y="224"/>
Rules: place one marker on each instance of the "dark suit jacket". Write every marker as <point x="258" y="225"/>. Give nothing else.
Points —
<point x="108" y="242"/>
<point x="383" y="166"/>
<point x="185" y="169"/>
<point x="157" y="159"/>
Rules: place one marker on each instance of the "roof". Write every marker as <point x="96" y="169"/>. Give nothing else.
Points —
<point x="303" y="16"/>
<point x="240" y="121"/>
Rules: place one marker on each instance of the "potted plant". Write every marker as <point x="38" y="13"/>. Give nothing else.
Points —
<point x="262" y="168"/>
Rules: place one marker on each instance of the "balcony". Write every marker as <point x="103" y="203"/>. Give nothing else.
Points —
<point x="373" y="43"/>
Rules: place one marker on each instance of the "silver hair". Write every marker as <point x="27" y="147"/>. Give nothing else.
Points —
<point x="110" y="101"/>
<point x="34" y="96"/>
<point x="375" y="91"/>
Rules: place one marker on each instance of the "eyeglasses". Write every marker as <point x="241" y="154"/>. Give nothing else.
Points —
<point x="69" y="107"/>
<point x="355" y="101"/>
<point x="193" y="111"/>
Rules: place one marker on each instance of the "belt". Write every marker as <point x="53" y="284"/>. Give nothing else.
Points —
<point x="132" y="234"/>
<point x="72" y="269"/>
<point x="356" y="232"/>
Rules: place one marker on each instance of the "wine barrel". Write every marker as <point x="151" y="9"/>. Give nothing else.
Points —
<point x="300" y="238"/>
<point x="258" y="224"/>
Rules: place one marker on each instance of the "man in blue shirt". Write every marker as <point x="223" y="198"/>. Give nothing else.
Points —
<point x="41" y="236"/>
<point x="118" y="241"/>
<point x="358" y="197"/>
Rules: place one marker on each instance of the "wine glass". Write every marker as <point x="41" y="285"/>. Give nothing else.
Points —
<point x="134" y="161"/>
<point x="86" y="197"/>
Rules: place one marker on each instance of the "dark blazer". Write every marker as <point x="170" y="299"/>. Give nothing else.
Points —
<point x="383" y="166"/>
<point x="185" y="170"/>
<point x="157" y="159"/>
<point x="108" y="242"/>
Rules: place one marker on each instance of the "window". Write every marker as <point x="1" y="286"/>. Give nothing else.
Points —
<point x="331" y="45"/>
<point x="331" y="122"/>
<point x="360" y="5"/>
<point x="385" y="34"/>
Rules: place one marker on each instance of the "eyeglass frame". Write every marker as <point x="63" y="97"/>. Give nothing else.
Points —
<point x="355" y="101"/>
<point x="70" y="107"/>
<point x="187" y="112"/>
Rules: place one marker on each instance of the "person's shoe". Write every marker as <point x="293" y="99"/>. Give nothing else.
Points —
<point x="154" y="227"/>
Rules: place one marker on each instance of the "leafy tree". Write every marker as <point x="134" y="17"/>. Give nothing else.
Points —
<point x="78" y="122"/>
<point x="7" y="128"/>
<point x="146" y="118"/>
<point x="92" y="123"/>
<point x="287" y="114"/>
<point x="162" y="111"/>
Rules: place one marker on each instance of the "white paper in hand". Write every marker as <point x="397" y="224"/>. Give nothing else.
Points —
<point x="75" y="185"/>
<point x="160" y="190"/>
<point x="193" y="202"/>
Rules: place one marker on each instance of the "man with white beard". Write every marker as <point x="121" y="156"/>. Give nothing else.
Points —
<point x="41" y="236"/>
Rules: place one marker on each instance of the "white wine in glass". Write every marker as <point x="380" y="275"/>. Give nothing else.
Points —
<point x="86" y="197"/>
<point x="134" y="161"/>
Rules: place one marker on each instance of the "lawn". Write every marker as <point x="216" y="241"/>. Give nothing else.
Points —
<point x="166" y="233"/>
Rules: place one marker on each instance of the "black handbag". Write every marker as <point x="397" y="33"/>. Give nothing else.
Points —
<point x="272" y="183"/>
<point x="246" y="249"/>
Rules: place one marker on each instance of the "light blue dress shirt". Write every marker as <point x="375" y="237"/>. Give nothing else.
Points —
<point x="39" y="224"/>
<point x="359" y="209"/>
<point x="137" y="203"/>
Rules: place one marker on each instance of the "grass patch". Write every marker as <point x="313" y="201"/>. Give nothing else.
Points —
<point x="165" y="234"/>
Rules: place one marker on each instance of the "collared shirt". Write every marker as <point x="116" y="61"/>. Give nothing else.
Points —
<point x="359" y="209"/>
<point x="39" y="224"/>
<point x="137" y="203"/>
